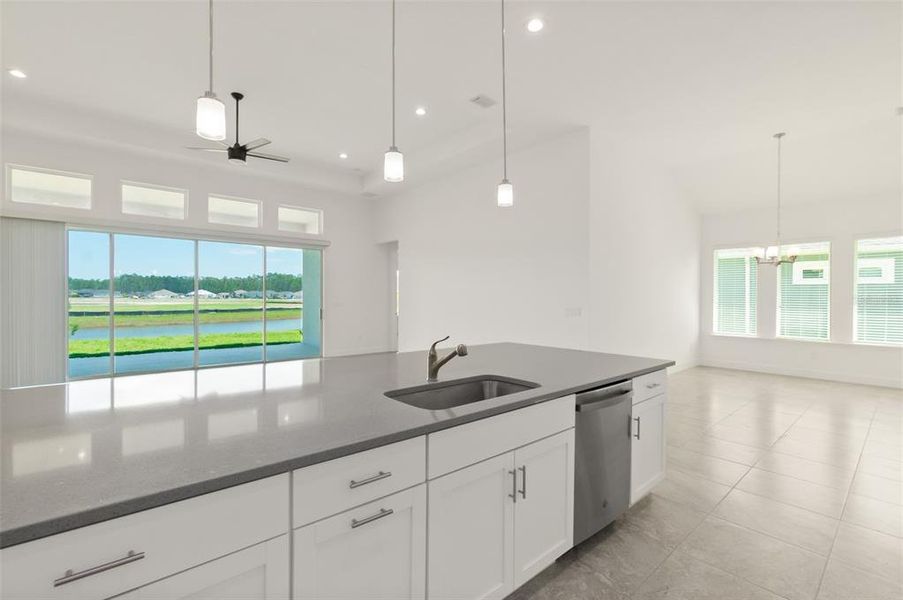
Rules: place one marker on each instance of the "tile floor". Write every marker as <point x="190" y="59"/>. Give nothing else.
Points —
<point x="777" y="487"/>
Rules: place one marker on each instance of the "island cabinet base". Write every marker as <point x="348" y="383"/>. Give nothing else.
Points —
<point x="495" y="524"/>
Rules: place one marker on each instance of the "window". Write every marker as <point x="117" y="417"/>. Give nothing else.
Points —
<point x="49" y="188"/>
<point x="89" y="304"/>
<point x="300" y="220"/>
<point x="153" y="201"/>
<point x="879" y="291"/>
<point x="734" y="301"/>
<point x="168" y="315"/>
<point x="233" y="211"/>
<point x="153" y="311"/>
<point x="230" y="303"/>
<point x="804" y="293"/>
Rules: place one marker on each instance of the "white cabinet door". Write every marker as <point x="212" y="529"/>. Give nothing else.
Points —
<point x="376" y="551"/>
<point x="256" y="573"/>
<point x="471" y="532"/>
<point x="544" y="507"/>
<point x="647" y="452"/>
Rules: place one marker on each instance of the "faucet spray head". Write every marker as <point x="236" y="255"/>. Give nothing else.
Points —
<point x="461" y="349"/>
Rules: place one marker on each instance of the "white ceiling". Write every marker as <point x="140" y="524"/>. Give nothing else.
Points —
<point x="702" y="86"/>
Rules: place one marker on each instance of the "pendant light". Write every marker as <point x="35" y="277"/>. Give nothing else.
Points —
<point x="393" y="165"/>
<point x="772" y="255"/>
<point x="505" y="194"/>
<point x="210" y="120"/>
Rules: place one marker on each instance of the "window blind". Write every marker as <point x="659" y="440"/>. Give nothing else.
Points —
<point x="734" y="309"/>
<point x="879" y="291"/>
<point x="804" y="293"/>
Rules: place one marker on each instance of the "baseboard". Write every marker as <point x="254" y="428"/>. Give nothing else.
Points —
<point x="808" y="373"/>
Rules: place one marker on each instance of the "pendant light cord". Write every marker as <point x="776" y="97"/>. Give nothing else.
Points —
<point x="393" y="73"/>
<point x="210" y="42"/>
<point x="504" y="103"/>
<point x="779" y="136"/>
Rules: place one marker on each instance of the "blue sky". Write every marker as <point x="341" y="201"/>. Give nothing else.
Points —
<point x="89" y="257"/>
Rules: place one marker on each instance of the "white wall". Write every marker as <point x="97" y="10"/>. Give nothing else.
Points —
<point x="483" y="274"/>
<point x="838" y="223"/>
<point x="644" y="256"/>
<point x="355" y="296"/>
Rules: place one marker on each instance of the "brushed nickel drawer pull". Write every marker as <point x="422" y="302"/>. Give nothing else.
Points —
<point x="637" y="434"/>
<point x="652" y="386"/>
<point x="513" y="494"/>
<point x="523" y="482"/>
<point x="383" y="512"/>
<point x="377" y="477"/>
<point x="71" y="575"/>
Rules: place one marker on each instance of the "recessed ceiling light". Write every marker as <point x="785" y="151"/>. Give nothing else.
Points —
<point x="535" y="25"/>
<point x="420" y="111"/>
<point x="343" y="155"/>
<point x="19" y="74"/>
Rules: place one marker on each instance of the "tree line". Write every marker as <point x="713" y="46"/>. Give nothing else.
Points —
<point x="134" y="284"/>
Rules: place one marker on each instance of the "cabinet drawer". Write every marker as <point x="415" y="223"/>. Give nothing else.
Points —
<point x="649" y="385"/>
<point x="162" y="541"/>
<point x="332" y="487"/>
<point x="465" y="445"/>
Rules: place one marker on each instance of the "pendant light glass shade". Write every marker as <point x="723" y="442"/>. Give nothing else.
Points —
<point x="210" y="122"/>
<point x="505" y="194"/>
<point x="393" y="167"/>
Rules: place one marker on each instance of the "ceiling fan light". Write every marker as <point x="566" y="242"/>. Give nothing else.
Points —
<point x="211" y="117"/>
<point x="393" y="166"/>
<point x="505" y="195"/>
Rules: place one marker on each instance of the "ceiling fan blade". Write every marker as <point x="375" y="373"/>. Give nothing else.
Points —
<point x="205" y="149"/>
<point x="268" y="156"/>
<point x="257" y="143"/>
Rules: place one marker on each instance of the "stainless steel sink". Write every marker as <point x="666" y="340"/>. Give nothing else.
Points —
<point x="457" y="392"/>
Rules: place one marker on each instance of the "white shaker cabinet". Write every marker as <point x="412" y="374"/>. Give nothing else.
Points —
<point x="544" y="511"/>
<point x="375" y="551"/>
<point x="260" y="572"/>
<point x="496" y="524"/>
<point x="647" y="452"/>
<point x="471" y="525"/>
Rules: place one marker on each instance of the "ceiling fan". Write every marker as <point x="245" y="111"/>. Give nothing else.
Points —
<point x="237" y="152"/>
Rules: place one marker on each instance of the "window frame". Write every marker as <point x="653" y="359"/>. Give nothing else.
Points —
<point x="186" y="194"/>
<point x="778" y="298"/>
<point x="196" y="239"/>
<point x="854" y="300"/>
<point x="8" y="188"/>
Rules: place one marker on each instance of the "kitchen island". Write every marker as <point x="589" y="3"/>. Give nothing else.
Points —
<point x="94" y="453"/>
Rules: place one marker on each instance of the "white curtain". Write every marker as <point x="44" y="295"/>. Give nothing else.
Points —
<point x="33" y="336"/>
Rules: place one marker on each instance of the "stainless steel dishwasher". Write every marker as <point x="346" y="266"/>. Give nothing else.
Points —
<point x="602" y="458"/>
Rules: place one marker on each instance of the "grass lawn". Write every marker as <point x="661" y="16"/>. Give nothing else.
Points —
<point x="185" y="317"/>
<point x="130" y="304"/>
<point x="173" y="343"/>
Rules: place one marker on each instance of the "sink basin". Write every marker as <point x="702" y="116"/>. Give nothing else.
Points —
<point x="457" y="392"/>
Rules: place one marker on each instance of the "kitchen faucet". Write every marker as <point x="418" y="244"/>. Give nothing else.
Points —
<point x="435" y="363"/>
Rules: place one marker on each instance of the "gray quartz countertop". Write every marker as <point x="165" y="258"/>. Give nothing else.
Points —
<point x="86" y="451"/>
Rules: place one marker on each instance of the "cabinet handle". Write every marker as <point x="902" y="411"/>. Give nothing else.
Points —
<point x="523" y="489"/>
<point x="513" y="494"/>
<point x="637" y="434"/>
<point x="71" y="575"/>
<point x="377" y="477"/>
<point x="652" y="386"/>
<point x="383" y="512"/>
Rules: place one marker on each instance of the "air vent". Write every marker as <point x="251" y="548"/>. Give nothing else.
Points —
<point x="483" y="101"/>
